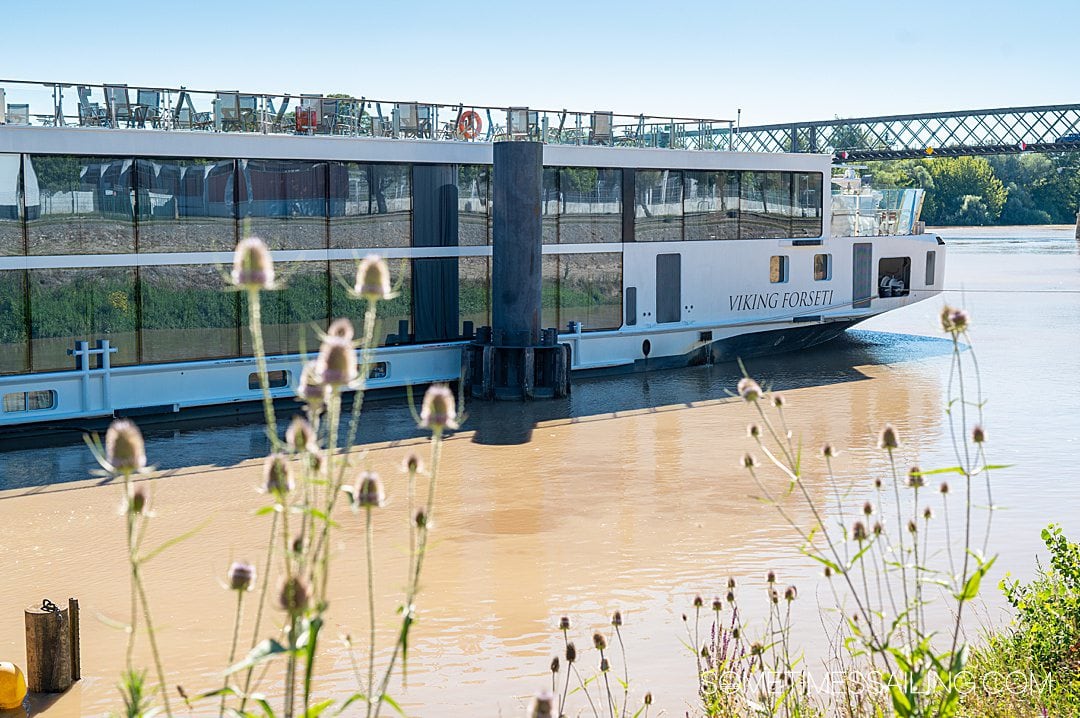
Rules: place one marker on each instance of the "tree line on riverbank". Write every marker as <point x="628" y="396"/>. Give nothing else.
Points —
<point x="1027" y="188"/>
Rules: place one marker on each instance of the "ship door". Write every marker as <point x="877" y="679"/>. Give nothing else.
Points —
<point x="668" y="288"/>
<point x="862" y="278"/>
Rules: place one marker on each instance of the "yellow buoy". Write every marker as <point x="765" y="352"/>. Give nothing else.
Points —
<point x="929" y="150"/>
<point x="12" y="686"/>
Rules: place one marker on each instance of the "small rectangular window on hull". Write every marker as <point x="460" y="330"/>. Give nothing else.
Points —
<point x="778" y="269"/>
<point x="38" y="400"/>
<point x="931" y="269"/>
<point x="275" y="379"/>
<point x="822" y="267"/>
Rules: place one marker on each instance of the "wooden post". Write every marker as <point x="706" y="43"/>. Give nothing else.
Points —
<point x="48" y="648"/>
<point x="76" y="652"/>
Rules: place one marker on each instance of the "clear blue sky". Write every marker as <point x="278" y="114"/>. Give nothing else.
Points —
<point x="777" y="60"/>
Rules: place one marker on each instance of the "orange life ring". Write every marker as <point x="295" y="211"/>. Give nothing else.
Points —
<point x="469" y="124"/>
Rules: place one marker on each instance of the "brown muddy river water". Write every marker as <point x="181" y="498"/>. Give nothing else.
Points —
<point x="626" y="496"/>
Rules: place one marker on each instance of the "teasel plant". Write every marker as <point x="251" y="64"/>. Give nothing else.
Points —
<point x="122" y="456"/>
<point x="877" y="557"/>
<point x="565" y="673"/>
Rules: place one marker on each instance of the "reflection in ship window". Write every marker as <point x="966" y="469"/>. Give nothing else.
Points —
<point x="474" y="193"/>
<point x="186" y="314"/>
<point x="186" y="205"/>
<point x="292" y="315"/>
<point x="85" y="205"/>
<point x="11" y="212"/>
<point x="822" y="267"/>
<point x="765" y="207"/>
<point x="13" y="330"/>
<point x="474" y="291"/>
<point x="284" y="202"/>
<point x="549" y="291"/>
<point x="549" y="207"/>
<point x="590" y="290"/>
<point x="658" y="215"/>
<point x="69" y="305"/>
<point x="711" y="205"/>
<point x="370" y="205"/>
<point x="806" y="221"/>
<point x="591" y="205"/>
<point x="389" y="313"/>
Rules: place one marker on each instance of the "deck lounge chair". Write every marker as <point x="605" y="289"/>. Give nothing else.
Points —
<point x="118" y="106"/>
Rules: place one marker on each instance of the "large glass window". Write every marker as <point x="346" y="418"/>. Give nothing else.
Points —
<point x="187" y="314"/>
<point x="85" y="205"/>
<point x="186" y="205"/>
<point x="11" y="211"/>
<point x="370" y="205"/>
<point x="474" y="193"/>
<point x="590" y="290"/>
<point x="711" y="205"/>
<point x="284" y="202"/>
<point x="389" y="314"/>
<point x="806" y="220"/>
<point x="549" y="291"/>
<point x="69" y="305"/>
<point x="549" y="206"/>
<point x="765" y="207"/>
<point x="292" y="316"/>
<point x="474" y="290"/>
<point x="14" y="358"/>
<point x="591" y="206"/>
<point x="659" y="212"/>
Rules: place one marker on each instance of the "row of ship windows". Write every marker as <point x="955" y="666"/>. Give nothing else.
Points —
<point x="779" y="268"/>
<point x="63" y="204"/>
<point x="170" y="313"/>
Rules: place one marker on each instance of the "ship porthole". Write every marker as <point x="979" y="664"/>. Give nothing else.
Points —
<point x="646" y="347"/>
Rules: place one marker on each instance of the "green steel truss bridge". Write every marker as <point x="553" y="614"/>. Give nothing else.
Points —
<point x="1047" y="128"/>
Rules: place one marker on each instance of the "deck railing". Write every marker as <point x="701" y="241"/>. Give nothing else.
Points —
<point x="57" y="104"/>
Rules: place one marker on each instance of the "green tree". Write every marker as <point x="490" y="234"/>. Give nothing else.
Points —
<point x="965" y="192"/>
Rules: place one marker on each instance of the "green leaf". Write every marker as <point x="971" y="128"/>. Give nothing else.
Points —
<point x="900" y="702"/>
<point x="352" y="699"/>
<point x="825" y="561"/>
<point x="393" y="704"/>
<point x="265" y="651"/>
<point x="949" y="470"/>
<point x="317" y="709"/>
<point x="172" y="542"/>
<point x="971" y="586"/>
<point x="267" y="510"/>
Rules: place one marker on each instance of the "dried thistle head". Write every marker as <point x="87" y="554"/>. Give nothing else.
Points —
<point x="125" y="450"/>
<point x="311" y="389"/>
<point x="571" y="652"/>
<point x="599" y="642"/>
<point x="944" y="488"/>
<point x="730" y="597"/>
<point x="373" y="279"/>
<point x="698" y="601"/>
<point x="253" y="267"/>
<point x="439" y="409"/>
<point x="791" y="593"/>
<point x="828" y="572"/>
<point x="616" y="619"/>
<point x="300" y="436"/>
<point x="928" y="513"/>
<point x="978" y="434"/>
<point x="412" y="464"/>
<point x="888" y="438"/>
<point x="717" y="605"/>
<point x="294" y="596"/>
<point x="542" y="705"/>
<point x="858" y="531"/>
<point x="604" y="665"/>
<point x="867" y="509"/>
<point x="748" y="461"/>
<point x="749" y="389"/>
<point x="564" y="623"/>
<point x="778" y="401"/>
<point x="770" y="577"/>
<point x="555" y="664"/>
<point x="648" y="698"/>
<point x="277" y="475"/>
<point x="753" y="431"/>
<point x="912" y="526"/>
<point x="420" y="519"/>
<point x="241" y="576"/>
<point x="828" y="451"/>
<point x="877" y="483"/>
<point x="136" y="502"/>
<point x="756" y="649"/>
<point x="368" y="492"/>
<point x="877" y="529"/>
<point x="954" y="321"/>
<point x="731" y="582"/>
<point x="341" y="328"/>
<point x="915" y="477"/>
<point x="336" y="364"/>
<point x="774" y="596"/>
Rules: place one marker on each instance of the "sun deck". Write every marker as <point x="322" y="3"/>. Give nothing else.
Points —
<point x="168" y="109"/>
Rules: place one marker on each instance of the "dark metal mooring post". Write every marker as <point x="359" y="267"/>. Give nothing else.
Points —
<point x="516" y="243"/>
